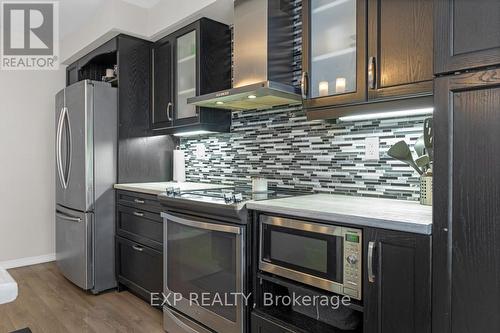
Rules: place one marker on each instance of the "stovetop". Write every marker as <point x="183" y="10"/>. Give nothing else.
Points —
<point x="230" y="196"/>
<point x="226" y="201"/>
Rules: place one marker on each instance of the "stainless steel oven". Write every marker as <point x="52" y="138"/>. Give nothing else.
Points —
<point x="320" y="255"/>
<point x="203" y="258"/>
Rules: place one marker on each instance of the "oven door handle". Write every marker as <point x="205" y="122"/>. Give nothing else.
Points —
<point x="203" y="225"/>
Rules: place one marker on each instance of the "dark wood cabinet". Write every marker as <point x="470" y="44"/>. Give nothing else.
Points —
<point x="131" y="59"/>
<point x="400" y="45"/>
<point x="163" y="90"/>
<point x="139" y="243"/>
<point x="134" y="88"/>
<point x="139" y="268"/>
<point x="397" y="288"/>
<point x="466" y="228"/>
<point x="72" y="74"/>
<point x="467" y="35"/>
<point x="261" y="324"/>
<point x="93" y="65"/>
<point x="357" y="52"/>
<point x="194" y="60"/>
<point x="140" y="226"/>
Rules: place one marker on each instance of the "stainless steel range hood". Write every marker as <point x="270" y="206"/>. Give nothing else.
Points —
<point x="263" y="59"/>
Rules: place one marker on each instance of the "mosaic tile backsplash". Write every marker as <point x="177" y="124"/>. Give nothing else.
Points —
<point x="293" y="153"/>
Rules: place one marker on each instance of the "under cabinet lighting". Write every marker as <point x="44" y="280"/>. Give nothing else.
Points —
<point x="193" y="133"/>
<point x="219" y="102"/>
<point x="252" y="96"/>
<point x="391" y="114"/>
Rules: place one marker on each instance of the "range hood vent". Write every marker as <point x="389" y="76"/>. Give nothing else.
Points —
<point x="263" y="70"/>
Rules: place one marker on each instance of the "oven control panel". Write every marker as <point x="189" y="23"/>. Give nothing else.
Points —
<point x="353" y="247"/>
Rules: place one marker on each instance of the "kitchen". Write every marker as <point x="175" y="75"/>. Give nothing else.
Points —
<point x="255" y="166"/>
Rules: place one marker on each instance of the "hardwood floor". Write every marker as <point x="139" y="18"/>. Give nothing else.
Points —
<point x="47" y="302"/>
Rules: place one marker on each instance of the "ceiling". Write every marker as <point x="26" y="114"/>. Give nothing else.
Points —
<point x="74" y="13"/>
<point x="143" y="3"/>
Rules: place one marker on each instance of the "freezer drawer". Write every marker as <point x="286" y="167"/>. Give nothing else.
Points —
<point x="74" y="246"/>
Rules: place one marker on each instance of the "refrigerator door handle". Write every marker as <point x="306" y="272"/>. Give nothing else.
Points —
<point x="68" y="217"/>
<point x="70" y="149"/>
<point x="59" y="147"/>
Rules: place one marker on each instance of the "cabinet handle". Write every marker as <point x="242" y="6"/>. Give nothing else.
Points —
<point x="304" y="85"/>
<point x="139" y="214"/>
<point x="138" y="248"/>
<point x="153" y="85"/>
<point x="139" y="201"/>
<point x="371" y="275"/>
<point x="372" y="73"/>
<point x="169" y="108"/>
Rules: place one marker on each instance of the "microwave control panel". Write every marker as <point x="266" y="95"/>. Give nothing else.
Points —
<point x="352" y="262"/>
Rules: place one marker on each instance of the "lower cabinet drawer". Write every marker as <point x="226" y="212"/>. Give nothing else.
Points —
<point x="147" y="202"/>
<point x="262" y="325"/>
<point x="140" y="226"/>
<point x="139" y="268"/>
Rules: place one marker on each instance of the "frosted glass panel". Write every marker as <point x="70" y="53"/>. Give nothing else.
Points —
<point x="333" y="47"/>
<point x="186" y="74"/>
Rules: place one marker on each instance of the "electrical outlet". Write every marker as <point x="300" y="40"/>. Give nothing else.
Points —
<point x="201" y="151"/>
<point x="372" y="149"/>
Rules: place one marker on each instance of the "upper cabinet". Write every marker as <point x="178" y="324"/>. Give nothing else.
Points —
<point x="194" y="60"/>
<point x="161" y="115"/>
<point x="357" y="51"/>
<point x="124" y="62"/>
<point x="467" y="35"/>
<point x="399" y="48"/>
<point x="96" y="64"/>
<point x="333" y="52"/>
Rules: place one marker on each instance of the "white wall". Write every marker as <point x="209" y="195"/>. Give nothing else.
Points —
<point x="168" y="16"/>
<point x="112" y="18"/>
<point x="27" y="177"/>
<point x="115" y="16"/>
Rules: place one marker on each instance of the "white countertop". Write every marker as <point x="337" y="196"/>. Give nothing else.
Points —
<point x="157" y="188"/>
<point x="8" y="287"/>
<point x="391" y="214"/>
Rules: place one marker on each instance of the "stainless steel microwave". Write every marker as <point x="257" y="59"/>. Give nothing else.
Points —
<point x="324" y="256"/>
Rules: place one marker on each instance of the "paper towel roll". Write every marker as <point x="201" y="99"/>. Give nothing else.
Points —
<point x="179" y="166"/>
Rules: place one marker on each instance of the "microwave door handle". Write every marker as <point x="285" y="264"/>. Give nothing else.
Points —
<point x="204" y="225"/>
<point x="371" y="275"/>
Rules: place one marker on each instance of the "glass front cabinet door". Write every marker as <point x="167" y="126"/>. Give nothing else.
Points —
<point x="193" y="60"/>
<point x="185" y="75"/>
<point x="334" y="52"/>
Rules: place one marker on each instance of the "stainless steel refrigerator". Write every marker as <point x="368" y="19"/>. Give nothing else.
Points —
<point x="86" y="154"/>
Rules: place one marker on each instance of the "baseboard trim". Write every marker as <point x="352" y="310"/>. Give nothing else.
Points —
<point x="8" y="264"/>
